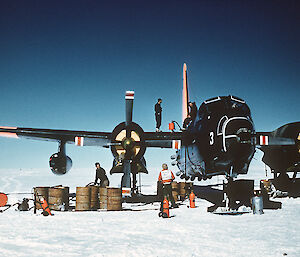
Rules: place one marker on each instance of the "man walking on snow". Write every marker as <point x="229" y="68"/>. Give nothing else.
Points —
<point x="166" y="177"/>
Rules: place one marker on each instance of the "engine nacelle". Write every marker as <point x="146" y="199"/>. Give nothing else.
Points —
<point x="60" y="163"/>
<point x="134" y="144"/>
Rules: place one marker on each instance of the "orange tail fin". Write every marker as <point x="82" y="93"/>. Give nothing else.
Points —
<point x="185" y="95"/>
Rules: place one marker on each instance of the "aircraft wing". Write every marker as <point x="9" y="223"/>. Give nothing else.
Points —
<point x="163" y="139"/>
<point x="281" y="147"/>
<point x="80" y="138"/>
<point x="268" y="139"/>
<point x="89" y="138"/>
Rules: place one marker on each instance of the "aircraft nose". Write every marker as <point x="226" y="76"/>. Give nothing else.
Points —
<point x="245" y="135"/>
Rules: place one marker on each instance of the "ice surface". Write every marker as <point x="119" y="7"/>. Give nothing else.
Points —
<point x="190" y="232"/>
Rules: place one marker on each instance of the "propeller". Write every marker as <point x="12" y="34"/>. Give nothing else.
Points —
<point x="128" y="141"/>
<point x="127" y="144"/>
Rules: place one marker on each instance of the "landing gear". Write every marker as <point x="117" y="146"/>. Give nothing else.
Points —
<point x="239" y="192"/>
<point x="183" y="176"/>
<point x="236" y="194"/>
<point x="199" y="177"/>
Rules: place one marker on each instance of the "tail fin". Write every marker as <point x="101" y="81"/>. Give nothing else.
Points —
<point x="185" y="95"/>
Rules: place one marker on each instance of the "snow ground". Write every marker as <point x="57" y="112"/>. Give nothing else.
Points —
<point x="190" y="232"/>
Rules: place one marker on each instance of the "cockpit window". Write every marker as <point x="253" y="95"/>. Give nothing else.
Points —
<point x="211" y="100"/>
<point x="237" y="99"/>
<point x="239" y="107"/>
<point x="223" y="105"/>
<point x="210" y="107"/>
<point x="202" y="110"/>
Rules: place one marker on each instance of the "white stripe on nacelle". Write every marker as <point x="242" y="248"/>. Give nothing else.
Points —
<point x="79" y="141"/>
<point x="263" y="140"/>
<point x="176" y="144"/>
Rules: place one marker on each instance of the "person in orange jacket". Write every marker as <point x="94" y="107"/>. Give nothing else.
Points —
<point x="166" y="177"/>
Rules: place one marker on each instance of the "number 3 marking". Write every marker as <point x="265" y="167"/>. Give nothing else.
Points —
<point x="211" y="141"/>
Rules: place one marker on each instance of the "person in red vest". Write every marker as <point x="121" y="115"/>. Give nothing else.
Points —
<point x="166" y="177"/>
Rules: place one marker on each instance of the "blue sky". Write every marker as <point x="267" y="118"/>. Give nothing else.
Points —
<point x="67" y="65"/>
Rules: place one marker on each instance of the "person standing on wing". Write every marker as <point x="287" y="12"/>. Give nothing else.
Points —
<point x="166" y="177"/>
<point x="158" y="112"/>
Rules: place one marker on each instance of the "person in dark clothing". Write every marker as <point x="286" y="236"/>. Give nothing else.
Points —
<point x="193" y="110"/>
<point x="187" y="121"/>
<point x="158" y="111"/>
<point x="101" y="175"/>
<point x="191" y="116"/>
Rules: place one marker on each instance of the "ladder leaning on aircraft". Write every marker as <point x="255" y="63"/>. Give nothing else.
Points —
<point x="220" y="141"/>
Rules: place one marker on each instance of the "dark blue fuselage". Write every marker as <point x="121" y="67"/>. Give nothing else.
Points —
<point x="219" y="140"/>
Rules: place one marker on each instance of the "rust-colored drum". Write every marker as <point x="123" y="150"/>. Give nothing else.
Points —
<point x="103" y="197"/>
<point x="83" y="198"/>
<point x="185" y="189"/>
<point x="267" y="184"/>
<point x="175" y="190"/>
<point x="94" y="197"/>
<point x="38" y="193"/>
<point x="58" y="199"/>
<point x="114" y="199"/>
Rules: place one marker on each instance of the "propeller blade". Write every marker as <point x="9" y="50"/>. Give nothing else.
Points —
<point x="129" y="106"/>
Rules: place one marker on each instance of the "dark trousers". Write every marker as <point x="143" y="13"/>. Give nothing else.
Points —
<point x="104" y="183"/>
<point x="167" y="192"/>
<point x="158" y="120"/>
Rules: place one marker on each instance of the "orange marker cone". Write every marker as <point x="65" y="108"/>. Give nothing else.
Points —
<point x="3" y="199"/>
<point x="165" y="212"/>
<point x="192" y="200"/>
